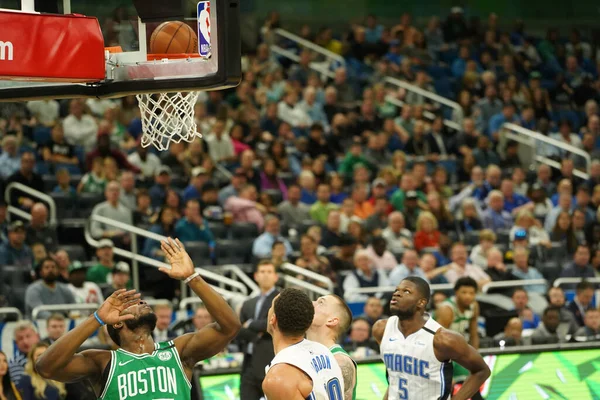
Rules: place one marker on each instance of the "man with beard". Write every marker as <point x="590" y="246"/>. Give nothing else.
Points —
<point x="47" y="290"/>
<point x="331" y="321"/>
<point x="141" y="369"/>
<point x="418" y="352"/>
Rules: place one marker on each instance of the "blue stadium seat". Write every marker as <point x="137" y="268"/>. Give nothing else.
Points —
<point x="42" y="135"/>
<point x="243" y="230"/>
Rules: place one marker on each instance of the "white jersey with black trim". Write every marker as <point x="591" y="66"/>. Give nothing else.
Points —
<point x="316" y="361"/>
<point x="414" y="371"/>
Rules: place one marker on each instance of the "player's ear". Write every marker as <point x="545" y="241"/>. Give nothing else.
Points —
<point x="118" y="325"/>
<point x="334" y="321"/>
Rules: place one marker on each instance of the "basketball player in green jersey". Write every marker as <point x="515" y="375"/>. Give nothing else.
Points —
<point x="332" y="319"/>
<point x="142" y="369"/>
<point x="459" y="313"/>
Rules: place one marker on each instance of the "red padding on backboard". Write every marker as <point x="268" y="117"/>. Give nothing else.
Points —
<point x="49" y="47"/>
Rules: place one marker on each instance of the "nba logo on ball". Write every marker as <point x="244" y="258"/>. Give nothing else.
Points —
<point x="204" y="28"/>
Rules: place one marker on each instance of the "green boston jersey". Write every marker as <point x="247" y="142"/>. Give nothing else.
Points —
<point x="337" y="349"/>
<point x="159" y="375"/>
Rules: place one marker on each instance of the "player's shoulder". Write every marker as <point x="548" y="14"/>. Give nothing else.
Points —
<point x="283" y="377"/>
<point x="444" y="339"/>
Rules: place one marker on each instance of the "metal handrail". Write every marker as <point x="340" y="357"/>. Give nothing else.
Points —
<point x="290" y="280"/>
<point x="388" y="289"/>
<point x="310" y="45"/>
<point x="288" y="267"/>
<point x="315" y="66"/>
<point x="42" y="196"/>
<point x="535" y="136"/>
<point x="237" y="271"/>
<point x="505" y="284"/>
<point x="150" y="261"/>
<point x="427" y="114"/>
<point x="227" y="295"/>
<point x="562" y="281"/>
<point x="63" y="307"/>
<point x="10" y="311"/>
<point x="158" y="302"/>
<point x="427" y="94"/>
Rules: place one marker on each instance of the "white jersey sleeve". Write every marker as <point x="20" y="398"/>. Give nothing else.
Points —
<point x="316" y="361"/>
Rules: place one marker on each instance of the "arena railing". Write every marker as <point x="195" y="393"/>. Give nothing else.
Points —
<point x="63" y="307"/>
<point x="11" y="311"/>
<point x="34" y="193"/>
<point x="236" y="271"/>
<point x="391" y="289"/>
<point x="436" y="98"/>
<point x="570" y="281"/>
<point x="513" y="284"/>
<point x="294" y="269"/>
<point x="325" y="68"/>
<point x="535" y="140"/>
<point x="137" y="258"/>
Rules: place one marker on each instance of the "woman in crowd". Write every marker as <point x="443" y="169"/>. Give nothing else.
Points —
<point x="487" y="240"/>
<point x="563" y="232"/>
<point x="269" y="178"/>
<point x="33" y="386"/>
<point x="440" y="212"/>
<point x="427" y="233"/>
<point x="535" y="232"/>
<point x="165" y="225"/>
<point x="8" y="390"/>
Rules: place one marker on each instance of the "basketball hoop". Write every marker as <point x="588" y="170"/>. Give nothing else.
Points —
<point x="168" y="117"/>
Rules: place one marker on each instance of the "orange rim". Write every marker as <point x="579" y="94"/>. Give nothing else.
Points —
<point x="177" y="56"/>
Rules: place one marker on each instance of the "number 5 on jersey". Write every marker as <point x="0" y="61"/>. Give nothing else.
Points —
<point x="402" y="389"/>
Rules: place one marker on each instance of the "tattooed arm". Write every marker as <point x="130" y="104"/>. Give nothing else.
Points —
<point x="348" y="373"/>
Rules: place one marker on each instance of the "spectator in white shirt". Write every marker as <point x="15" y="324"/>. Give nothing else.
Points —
<point x="146" y="161"/>
<point x="459" y="267"/>
<point x="398" y="238"/>
<point x="10" y="160"/>
<point x="80" y="129"/>
<point x="84" y="292"/>
<point x="99" y="106"/>
<point x="45" y="111"/>
<point x="290" y="112"/>
<point x="219" y="143"/>
<point x="408" y="267"/>
<point x="364" y="275"/>
<point x="382" y="258"/>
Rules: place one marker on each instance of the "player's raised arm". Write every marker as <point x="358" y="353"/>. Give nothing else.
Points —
<point x="61" y="363"/>
<point x="211" y="339"/>
<point x="450" y="345"/>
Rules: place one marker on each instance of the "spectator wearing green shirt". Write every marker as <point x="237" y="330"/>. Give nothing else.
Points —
<point x="407" y="183"/>
<point x="100" y="272"/>
<point x="321" y="208"/>
<point x="352" y="158"/>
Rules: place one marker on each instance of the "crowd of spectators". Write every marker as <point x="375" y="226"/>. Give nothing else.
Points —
<point x="330" y="175"/>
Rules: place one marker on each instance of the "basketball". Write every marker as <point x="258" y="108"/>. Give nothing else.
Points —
<point x="172" y="38"/>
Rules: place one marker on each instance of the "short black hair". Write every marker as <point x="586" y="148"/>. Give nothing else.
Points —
<point x="294" y="312"/>
<point x="422" y="286"/>
<point x="584" y="285"/>
<point x="466" y="281"/>
<point x="550" y="309"/>
<point x="518" y="289"/>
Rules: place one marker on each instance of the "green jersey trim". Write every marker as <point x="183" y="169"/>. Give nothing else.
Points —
<point x="113" y="361"/>
<point x="176" y="353"/>
<point x="337" y="349"/>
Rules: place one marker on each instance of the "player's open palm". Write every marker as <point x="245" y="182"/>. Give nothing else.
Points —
<point x="181" y="263"/>
<point x="110" y="311"/>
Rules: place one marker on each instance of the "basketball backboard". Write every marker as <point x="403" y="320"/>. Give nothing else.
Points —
<point x="46" y="56"/>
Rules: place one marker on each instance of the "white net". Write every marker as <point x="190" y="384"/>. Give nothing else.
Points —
<point x="167" y="117"/>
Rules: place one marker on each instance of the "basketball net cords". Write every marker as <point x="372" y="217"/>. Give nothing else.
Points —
<point x="168" y="117"/>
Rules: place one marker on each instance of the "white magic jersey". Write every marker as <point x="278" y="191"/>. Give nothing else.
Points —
<point x="319" y="364"/>
<point x="414" y="371"/>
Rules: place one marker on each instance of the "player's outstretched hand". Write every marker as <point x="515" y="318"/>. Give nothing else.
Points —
<point x="181" y="263"/>
<point x="110" y="311"/>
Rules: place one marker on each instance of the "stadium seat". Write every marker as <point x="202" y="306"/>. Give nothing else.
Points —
<point x="87" y="201"/>
<point x="232" y="251"/>
<point x="550" y="270"/>
<point x="42" y="135"/>
<point x="503" y="237"/>
<point x="244" y="230"/>
<point x="486" y="342"/>
<point x="75" y="252"/>
<point x="472" y="238"/>
<point x="199" y="252"/>
<point x="50" y="182"/>
<point x="65" y="205"/>
<point x="275" y="195"/>
<point x="218" y="229"/>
